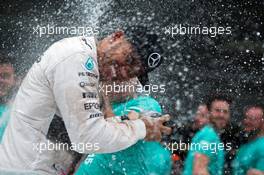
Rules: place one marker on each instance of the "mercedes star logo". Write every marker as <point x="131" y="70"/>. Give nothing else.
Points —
<point x="153" y="60"/>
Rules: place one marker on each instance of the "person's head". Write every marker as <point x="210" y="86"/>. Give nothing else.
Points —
<point x="253" y="118"/>
<point x="201" y="117"/>
<point x="7" y="75"/>
<point x="219" y="110"/>
<point x="124" y="55"/>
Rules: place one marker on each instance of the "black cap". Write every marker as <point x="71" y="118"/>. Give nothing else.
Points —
<point x="147" y="45"/>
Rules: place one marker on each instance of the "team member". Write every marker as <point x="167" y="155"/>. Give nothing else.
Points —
<point x="249" y="159"/>
<point x="199" y="121"/>
<point x="7" y="84"/>
<point x="206" y="154"/>
<point x="142" y="158"/>
<point x="186" y="133"/>
<point x="65" y="80"/>
<point x="201" y="117"/>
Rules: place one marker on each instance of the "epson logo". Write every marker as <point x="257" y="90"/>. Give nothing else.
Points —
<point x="88" y="106"/>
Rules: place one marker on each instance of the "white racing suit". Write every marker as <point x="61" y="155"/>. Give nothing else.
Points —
<point x="66" y="80"/>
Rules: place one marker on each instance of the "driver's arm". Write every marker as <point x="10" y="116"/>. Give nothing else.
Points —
<point x="83" y="119"/>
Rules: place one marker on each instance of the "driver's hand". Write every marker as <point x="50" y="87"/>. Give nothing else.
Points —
<point x="155" y="127"/>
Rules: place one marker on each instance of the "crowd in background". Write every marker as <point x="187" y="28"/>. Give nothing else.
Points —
<point x="213" y="123"/>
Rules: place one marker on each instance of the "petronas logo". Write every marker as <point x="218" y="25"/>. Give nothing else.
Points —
<point x="89" y="65"/>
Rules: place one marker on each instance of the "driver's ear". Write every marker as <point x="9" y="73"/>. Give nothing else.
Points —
<point x="117" y="35"/>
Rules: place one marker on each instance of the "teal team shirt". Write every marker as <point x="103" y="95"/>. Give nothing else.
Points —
<point x="3" y="119"/>
<point x="250" y="155"/>
<point x="143" y="158"/>
<point x="206" y="142"/>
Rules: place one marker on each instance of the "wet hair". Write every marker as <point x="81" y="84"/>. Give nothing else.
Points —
<point x="217" y="97"/>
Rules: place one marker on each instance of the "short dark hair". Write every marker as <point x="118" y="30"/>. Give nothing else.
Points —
<point x="218" y="97"/>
